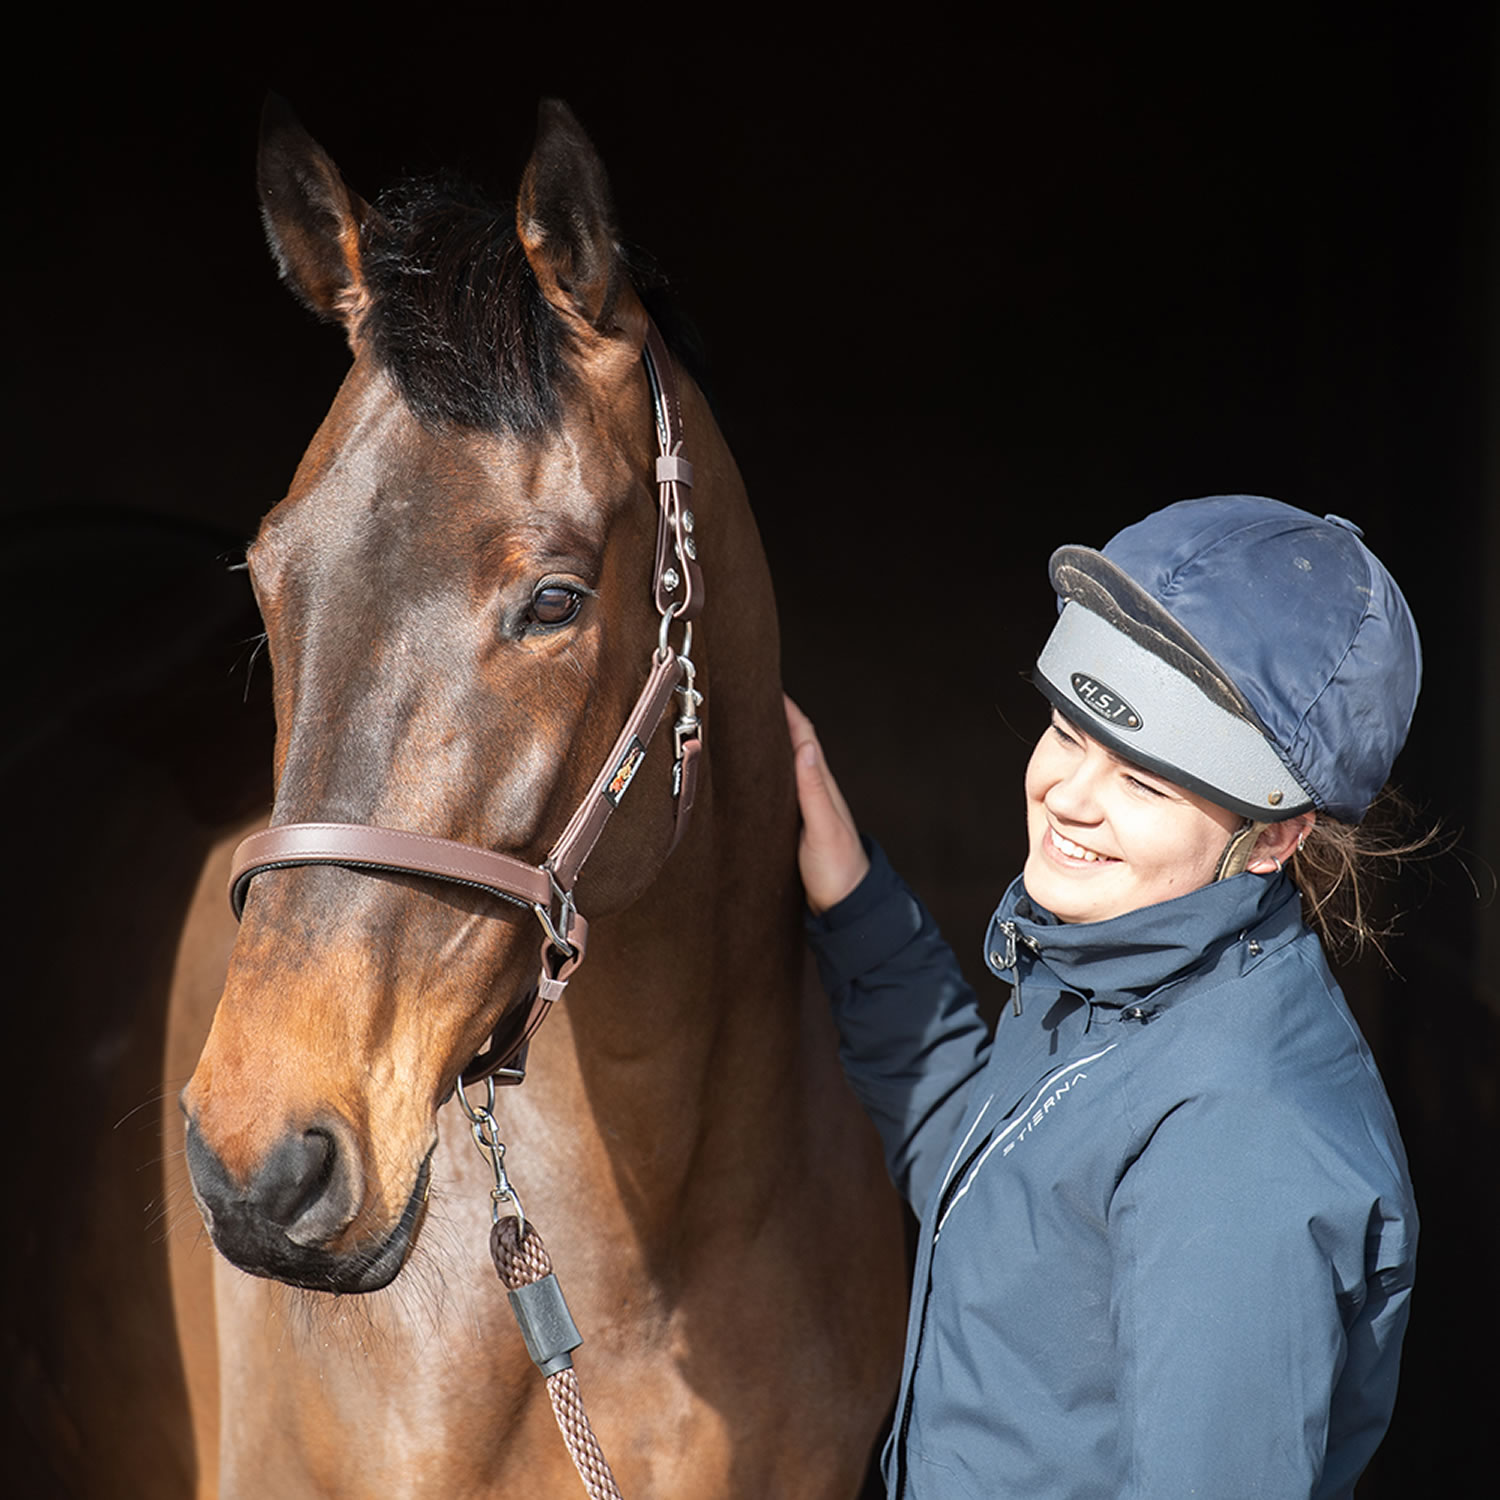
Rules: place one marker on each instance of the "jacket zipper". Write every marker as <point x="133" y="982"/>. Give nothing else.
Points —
<point x="1006" y="959"/>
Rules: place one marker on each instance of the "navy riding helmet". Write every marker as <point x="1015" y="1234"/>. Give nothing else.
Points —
<point x="1242" y="648"/>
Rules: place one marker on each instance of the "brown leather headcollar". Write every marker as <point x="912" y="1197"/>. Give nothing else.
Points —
<point x="547" y="888"/>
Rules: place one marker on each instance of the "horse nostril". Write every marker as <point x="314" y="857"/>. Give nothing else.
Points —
<point x="306" y="1187"/>
<point x="303" y="1195"/>
<point x="296" y="1175"/>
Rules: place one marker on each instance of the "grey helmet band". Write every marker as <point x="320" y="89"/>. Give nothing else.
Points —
<point x="1147" y="711"/>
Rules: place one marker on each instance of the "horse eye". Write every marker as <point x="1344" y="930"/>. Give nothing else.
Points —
<point x="555" y="605"/>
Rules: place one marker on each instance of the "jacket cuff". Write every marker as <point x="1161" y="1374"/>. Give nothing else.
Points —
<point x="873" y="923"/>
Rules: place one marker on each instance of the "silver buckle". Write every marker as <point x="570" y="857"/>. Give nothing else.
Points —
<point x="566" y="912"/>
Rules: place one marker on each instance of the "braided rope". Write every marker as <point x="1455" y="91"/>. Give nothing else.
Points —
<point x="520" y="1259"/>
<point x="583" y="1447"/>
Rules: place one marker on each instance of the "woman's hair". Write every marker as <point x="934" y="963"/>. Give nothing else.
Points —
<point x="1341" y="865"/>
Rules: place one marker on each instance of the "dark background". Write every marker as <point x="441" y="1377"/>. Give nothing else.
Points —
<point x="965" y="296"/>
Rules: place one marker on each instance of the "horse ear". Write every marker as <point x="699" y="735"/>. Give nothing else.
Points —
<point x="312" y="219"/>
<point x="565" y="218"/>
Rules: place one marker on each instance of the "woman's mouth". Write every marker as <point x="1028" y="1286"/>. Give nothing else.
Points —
<point x="1065" y="846"/>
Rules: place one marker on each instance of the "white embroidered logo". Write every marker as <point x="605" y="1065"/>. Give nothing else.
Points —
<point x="1041" y="1110"/>
<point x="1046" y="1100"/>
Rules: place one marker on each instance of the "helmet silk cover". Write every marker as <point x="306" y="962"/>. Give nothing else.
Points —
<point x="1242" y="648"/>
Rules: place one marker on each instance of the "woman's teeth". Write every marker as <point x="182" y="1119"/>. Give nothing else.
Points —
<point x="1074" y="851"/>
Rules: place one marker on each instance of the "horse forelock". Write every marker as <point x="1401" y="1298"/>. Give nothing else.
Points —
<point x="451" y="309"/>
<point x="454" y="312"/>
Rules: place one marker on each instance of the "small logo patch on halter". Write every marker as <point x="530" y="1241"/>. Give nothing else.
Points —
<point x="630" y="763"/>
<point x="1105" y="702"/>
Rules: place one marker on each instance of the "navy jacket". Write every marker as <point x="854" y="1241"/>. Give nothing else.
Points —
<point x="1168" y="1233"/>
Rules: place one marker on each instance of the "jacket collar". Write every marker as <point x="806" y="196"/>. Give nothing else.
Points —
<point x="1129" y="958"/>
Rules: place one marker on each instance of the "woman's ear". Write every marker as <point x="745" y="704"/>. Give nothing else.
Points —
<point x="1278" y="842"/>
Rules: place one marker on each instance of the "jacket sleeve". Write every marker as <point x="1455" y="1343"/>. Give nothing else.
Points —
<point x="1241" y="1303"/>
<point x="911" y="1036"/>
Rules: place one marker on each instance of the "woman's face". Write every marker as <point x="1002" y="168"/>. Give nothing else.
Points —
<point x="1107" y="837"/>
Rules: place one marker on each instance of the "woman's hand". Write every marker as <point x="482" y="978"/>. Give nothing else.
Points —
<point x="829" y="854"/>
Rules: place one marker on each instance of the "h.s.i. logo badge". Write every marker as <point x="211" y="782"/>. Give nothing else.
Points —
<point x="1105" y="702"/>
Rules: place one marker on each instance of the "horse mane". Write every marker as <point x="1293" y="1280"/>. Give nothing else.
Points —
<point x="455" y="314"/>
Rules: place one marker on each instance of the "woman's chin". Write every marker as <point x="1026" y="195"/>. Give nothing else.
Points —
<point x="1081" y="895"/>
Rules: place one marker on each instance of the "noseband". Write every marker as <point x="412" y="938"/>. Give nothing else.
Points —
<point x="547" y="888"/>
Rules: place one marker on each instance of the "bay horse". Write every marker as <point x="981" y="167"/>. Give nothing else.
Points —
<point x="463" y="593"/>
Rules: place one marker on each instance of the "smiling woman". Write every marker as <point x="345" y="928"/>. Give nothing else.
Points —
<point x="1107" y="836"/>
<point x="1168" y="1229"/>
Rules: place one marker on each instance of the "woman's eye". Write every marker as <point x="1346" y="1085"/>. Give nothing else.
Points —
<point x="555" y="605"/>
<point x="1145" y="786"/>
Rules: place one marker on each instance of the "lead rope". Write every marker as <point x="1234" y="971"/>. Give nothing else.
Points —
<point x="524" y="1266"/>
<point x="525" y="1271"/>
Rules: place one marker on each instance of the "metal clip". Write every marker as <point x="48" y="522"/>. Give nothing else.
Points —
<point x="486" y="1134"/>
<point x="663" y="644"/>
<point x="687" y="725"/>
<point x="687" y="721"/>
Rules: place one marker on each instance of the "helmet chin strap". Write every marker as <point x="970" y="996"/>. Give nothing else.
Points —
<point x="1236" y="853"/>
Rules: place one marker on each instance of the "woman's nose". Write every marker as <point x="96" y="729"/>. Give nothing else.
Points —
<point x="1074" y="796"/>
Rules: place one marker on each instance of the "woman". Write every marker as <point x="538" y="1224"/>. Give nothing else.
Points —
<point x="1167" y="1229"/>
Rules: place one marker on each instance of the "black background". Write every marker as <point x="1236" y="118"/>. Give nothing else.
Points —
<point x="966" y="295"/>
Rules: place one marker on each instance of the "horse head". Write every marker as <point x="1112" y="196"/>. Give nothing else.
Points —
<point x="457" y="603"/>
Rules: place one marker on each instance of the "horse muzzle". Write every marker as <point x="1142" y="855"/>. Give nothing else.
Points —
<point x="284" y="1219"/>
